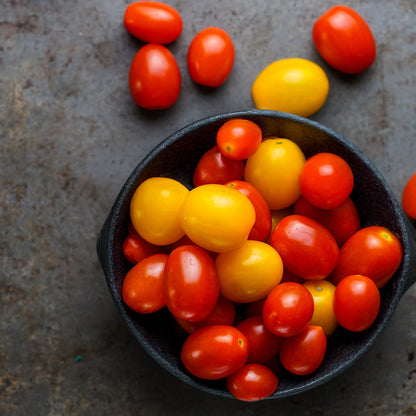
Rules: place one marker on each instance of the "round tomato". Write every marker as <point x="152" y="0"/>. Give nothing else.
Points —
<point x="409" y="198"/>
<point x="263" y="224"/>
<point x="263" y="345"/>
<point x="142" y="288"/>
<point x="153" y="21"/>
<point x="344" y="39"/>
<point x="252" y="382"/>
<point x="216" y="217"/>
<point x="304" y="353"/>
<point x="288" y="309"/>
<point x="214" y="352"/>
<point x="154" y="77"/>
<point x="276" y="161"/>
<point x="356" y="302"/>
<point x="238" y="139"/>
<point x="373" y="251"/>
<point x="322" y="292"/>
<point x="214" y="167"/>
<point x="250" y="272"/>
<point x="326" y="180"/>
<point x="135" y="248"/>
<point x="292" y="85"/>
<point x="307" y="248"/>
<point x="191" y="283"/>
<point x="342" y="222"/>
<point x="210" y="57"/>
<point x="154" y="210"/>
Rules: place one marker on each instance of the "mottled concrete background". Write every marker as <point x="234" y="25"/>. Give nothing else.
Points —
<point x="70" y="135"/>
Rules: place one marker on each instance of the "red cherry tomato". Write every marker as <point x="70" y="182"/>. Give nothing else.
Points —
<point x="154" y="77"/>
<point x="409" y="198"/>
<point x="263" y="345"/>
<point x="142" y="288"/>
<point x="326" y="180"/>
<point x="304" y="353"/>
<point x="191" y="283"/>
<point x="288" y="309"/>
<point x="344" y="39"/>
<point x="252" y="382"/>
<point x="214" y="352"/>
<point x="214" y="167"/>
<point x="263" y="224"/>
<point x="342" y="221"/>
<point x="356" y="302"/>
<point x="238" y="139"/>
<point x="135" y="248"/>
<point x="153" y="21"/>
<point x="307" y="248"/>
<point x="211" y="57"/>
<point x="373" y="251"/>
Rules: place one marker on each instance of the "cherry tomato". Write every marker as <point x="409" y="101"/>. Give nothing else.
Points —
<point x="288" y="309"/>
<point x="279" y="214"/>
<point x="409" y="198"/>
<point x="356" y="302"/>
<point x="153" y="21"/>
<point x="154" y="210"/>
<point x="326" y="180"/>
<point x="238" y="139"/>
<point x="292" y="85"/>
<point x="322" y="292"/>
<point x="154" y="77"/>
<point x="211" y="57"/>
<point x="142" y="288"/>
<point x="252" y="382"/>
<point x="214" y="352"/>
<point x="250" y="272"/>
<point x="373" y="251"/>
<point x="222" y="314"/>
<point x="263" y="224"/>
<point x="342" y="221"/>
<point x="214" y="167"/>
<point x="344" y="39"/>
<point x="191" y="283"/>
<point x="216" y="217"/>
<point x="276" y="161"/>
<point x="263" y="345"/>
<point x="307" y="248"/>
<point x="135" y="248"/>
<point x="304" y="353"/>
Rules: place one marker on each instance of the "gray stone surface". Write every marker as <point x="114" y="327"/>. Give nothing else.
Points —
<point x="70" y="135"/>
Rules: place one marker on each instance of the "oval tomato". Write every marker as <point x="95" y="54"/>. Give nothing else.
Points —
<point x="210" y="57"/>
<point x="214" y="167"/>
<point x="153" y="21"/>
<point x="344" y="39"/>
<point x="263" y="224"/>
<point x="252" y="382"/>
<point x="136" y="248"/>
<point x="216" y="217"/>
<point x="373" y="251"/>
<point x="288" y="309"/>
<point x="142" y="288"/>
<point x="154" y="77"/>
<point x="191" y="283"/>
<point x="409" y="197"/>
<point x="304" y="353"/>
<point x="307" y="248"/>
<point x="214" y="352"/>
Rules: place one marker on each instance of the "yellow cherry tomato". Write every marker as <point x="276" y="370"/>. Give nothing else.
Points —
<point x="274" y="170"/>
<point x="216" y="217"/>
<point x="292" y="85"/>
<point x="322" y="292"/>
<point x="154" y="210"/>
<point x="249" y="273"/>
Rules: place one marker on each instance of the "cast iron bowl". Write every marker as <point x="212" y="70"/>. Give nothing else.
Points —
<point x="176" y="157"/>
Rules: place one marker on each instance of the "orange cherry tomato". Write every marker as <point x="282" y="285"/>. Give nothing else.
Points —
<point x="409" y="197"/>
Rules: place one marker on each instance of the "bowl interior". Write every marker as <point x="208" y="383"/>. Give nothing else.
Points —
<point x="177" y="157"/>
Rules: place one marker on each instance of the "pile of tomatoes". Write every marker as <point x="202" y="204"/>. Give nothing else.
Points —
<point x="259" y="262"/>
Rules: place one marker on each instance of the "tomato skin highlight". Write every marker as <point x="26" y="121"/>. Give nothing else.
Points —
<point x="409" y="197"/>
<point x="214" y="352"/>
